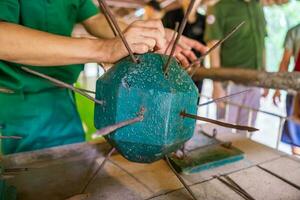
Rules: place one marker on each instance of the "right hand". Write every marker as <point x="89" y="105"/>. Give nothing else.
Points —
<point x="277" y="97"/>
<point x="218" y="92"/>
<point x="142" y="37"/>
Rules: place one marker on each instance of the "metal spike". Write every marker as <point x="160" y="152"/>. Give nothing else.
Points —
<point x="11" y="137"/>
<point x="199" y="60"/>
<point x="223" y="98"/>
<point x="224" y="124"/>
<point x="180" y="179"/>
<point x="62" y="84"/>
<point x="102" y="10"/>
<point x="173" y="37"/>
<point x="115" y="24"/>
<point x="110" y="129"/>
<point x="181" y="29"/>
<point x="97" y="170"/>
<point x="5" y="90"/>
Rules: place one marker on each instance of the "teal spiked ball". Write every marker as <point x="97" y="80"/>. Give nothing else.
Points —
<point x="127" y="87"/>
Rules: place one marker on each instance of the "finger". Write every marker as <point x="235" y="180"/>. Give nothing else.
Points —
<point x="190" y="55"/>
<point x="157" y="24"/>
<point x="184" y="45"/>
<point x="156" y="35"/>
<point x="195" y="45"/>
<point x="182" y="59"/>
<point x="140" y="48"/>
<point x="142" y="40"/>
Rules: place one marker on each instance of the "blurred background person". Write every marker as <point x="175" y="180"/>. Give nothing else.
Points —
<point x="194" y="28"/>
<point x="172" y="12"/>
<point x="244" y="50"/>
<point x="291" y="129"/>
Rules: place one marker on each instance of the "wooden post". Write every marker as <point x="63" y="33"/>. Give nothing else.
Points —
<point x="276" y="80"/>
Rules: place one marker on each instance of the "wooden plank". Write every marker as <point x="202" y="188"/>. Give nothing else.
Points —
<point x="54" y="173"/>
<point x="286" y="168"/>
<point x="262" y="185"/>
<point x="211" y="190"/>
<point x="156" y="176"/>
<point x="115" y="184"/>
<point x="61" y="172"/>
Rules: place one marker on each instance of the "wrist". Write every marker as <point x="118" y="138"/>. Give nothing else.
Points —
<point x="109" y="50"/>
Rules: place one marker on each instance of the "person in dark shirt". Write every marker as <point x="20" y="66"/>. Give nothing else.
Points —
<point x="194" y="28"/>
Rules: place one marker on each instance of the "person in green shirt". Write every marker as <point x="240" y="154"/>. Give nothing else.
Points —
<point x="37" y="34"/>
<point x="245" y="49"/>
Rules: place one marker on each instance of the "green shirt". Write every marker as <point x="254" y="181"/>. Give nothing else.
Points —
<point x="52" y="16"/>
<point x="245" y="48"/>
<point x="292" y="41"/>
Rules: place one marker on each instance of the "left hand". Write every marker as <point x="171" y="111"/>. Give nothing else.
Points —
<point x="183" y="51"/>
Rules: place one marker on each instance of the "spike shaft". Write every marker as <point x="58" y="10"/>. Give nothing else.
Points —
<point x="224" y="124"/>
<point x="114" y="22"/>
<point x="61" y="84"/>
<point x="181" y="29"/>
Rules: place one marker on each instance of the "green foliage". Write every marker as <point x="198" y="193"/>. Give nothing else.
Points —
<point x="86" y="112"/>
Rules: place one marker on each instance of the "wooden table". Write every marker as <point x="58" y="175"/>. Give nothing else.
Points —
<point x="59" y="173"/>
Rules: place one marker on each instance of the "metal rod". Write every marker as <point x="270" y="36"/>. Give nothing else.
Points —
<point x="11" y="137"/>
<point x="181" y="29"/>
<point x="223" y="98"/>
<point x="232" y="182"/>
<point x="181" y="179"/>
<point x="114" y="22"/>
<point x="224" y="124"/>
<point x="108" y="130"/>
<point x="279" y="177"/>
<point x="102" y="9"/>
<point x="173" y="37"/>
<point x="5" y="90"/>
<point x="85" y="90"/>
<point x="248" y="108"/>
<point x="62" y="84"/>
<point x="199" y="60"/>
<point x="16" y="170"/>
<point x="97" y="170"/>
<point x="239" y="192"/>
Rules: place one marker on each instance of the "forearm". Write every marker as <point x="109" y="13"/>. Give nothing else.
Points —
<point x="285" y="61"/>
<point x="31" y="47"/>
<point x="99" y="27"/>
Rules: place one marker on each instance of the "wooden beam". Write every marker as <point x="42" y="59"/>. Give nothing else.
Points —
<point x="276" y="80"/>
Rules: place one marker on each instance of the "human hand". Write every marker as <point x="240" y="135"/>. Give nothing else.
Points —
<point x="183" y="51"/>
<point x="141" y="36"/>
<point x="277" y="97"/>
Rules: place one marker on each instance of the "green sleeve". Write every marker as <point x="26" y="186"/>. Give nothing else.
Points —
<point x="214" y="24"/>
<point x="86" y="10"/>
<point x="289" y="41"/>
<point x="9" y="11"/>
